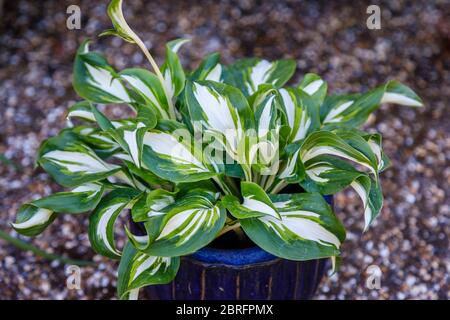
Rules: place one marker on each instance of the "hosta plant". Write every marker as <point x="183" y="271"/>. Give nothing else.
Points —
<point x="208" y="151"/>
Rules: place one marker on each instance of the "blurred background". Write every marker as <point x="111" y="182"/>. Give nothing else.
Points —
<point x="409" y="242"/>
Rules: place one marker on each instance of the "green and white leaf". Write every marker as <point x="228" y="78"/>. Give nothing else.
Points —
<point x="137" y="270"/>
<point x="172" y="70"/>
<point x="152" y="204"/>
<point x="81" y="199"/>
<point x="95" y="80"/>
<point x="223" y="112"/>
<point x="143" y="173"/>
<point x="149" y="87"/>
<point x="334" y="107"/>
<point x="293" y="170"/>
<point x="34" y="217"/>
<point x="249" y="74"/>
<point x="121" y="27"/>
<point x="100" y="141"/>
<point x="265" y="147"/>
<point x="173" y="160"/>
<point x="209" y="69"/>
<point x="72" y="163"/>
<point x="189" y="224"/>
<point x="129" y="135"/>
<point x="395" y="92"/>
<point x="329" y="175"/>
<point x="302" y="116"/>
<point x="102" y="220"/>
<point x="315" y="87"/>
<point x="370" y="193"/>
<point x="80" y="110"/>
<point x="32" y="220"/>
<point x="266" y="116"/>
<point x="132" y="138"/>
<point x="353" y="110"/>
<point x="349" y="146"/>
<point x="374" y="141"/>
<point x="307" y="230"/>
<point x="256" y="203"/>
<point x="125" y="176"/>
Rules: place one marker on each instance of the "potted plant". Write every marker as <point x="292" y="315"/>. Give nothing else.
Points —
<point x="224" y="166"/>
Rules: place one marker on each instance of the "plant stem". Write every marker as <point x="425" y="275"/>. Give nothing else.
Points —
<point x="222" y="185"/>
<point x="269" y="182"/>
<point x="278" y="187"/>
<point x="39" y="252"/>
<point x="229" y="228"/>
<point x="134" y="294"/>
<point x="247" y="172"/>
<point x="256" y="177"/>
<point x="263" y="181"/>
<point x="158" y="74"/>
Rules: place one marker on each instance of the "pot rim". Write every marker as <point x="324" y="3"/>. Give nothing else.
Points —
<point x="233" y="257"/>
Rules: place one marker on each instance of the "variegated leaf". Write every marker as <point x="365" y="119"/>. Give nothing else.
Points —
<point x="172" y="70"/>
<point x="152" y="204"/>
<point x="80" y="110"/>
<point x="329" y="175"/>
<point x="293" y="170"/>
<point x="353" y="110"/>
<point x="80" y="199"/>
<point x="307" y="230"/>
<point x="395" y="92"/>
<point x="146" y="115"/>
<point x="133" y="137"/>
<point x="374" y="141"/>
<point x="345" y="145"/>
<point x="223" y="112"/>
<point x="149" y="87"/>
<point x="72" y="163"/>
<point x="124" y="176"/>
<point x="209" y="69"/>
<point x="315" y="87"/>
<point x="129" y="135"/>
<point x="137" y="270"/>
<point x="172" y="159"/>
<point x="143" y="173"/>
<point x="301" y="112"/>
<point x="187" y="225"/>
<point x="266" y="116"/>
<point x="34" y="217"/>
<point x="102" y="220"/>
<point x="264" y="147"/>
<point x="256" y="203"/>
<point x="249" y="74"/>
<point x="95" y="80"/>
<point x="334" y="107"/>
<point x="100" y="141"/>
<point x="32" y="220"/>
<point x="372" y="198"/>
<point x="121" y="27"/>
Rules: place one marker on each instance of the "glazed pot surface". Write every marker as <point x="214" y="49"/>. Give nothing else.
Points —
<point x="241" y="274"/>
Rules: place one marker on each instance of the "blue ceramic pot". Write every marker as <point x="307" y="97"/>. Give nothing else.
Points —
<point x="241" y="274"/>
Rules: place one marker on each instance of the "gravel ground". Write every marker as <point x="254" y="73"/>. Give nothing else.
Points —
<point x="409" y="241"/>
